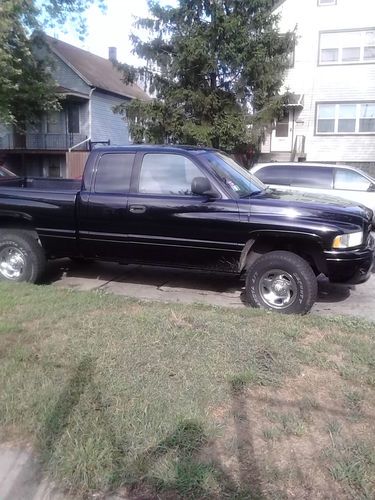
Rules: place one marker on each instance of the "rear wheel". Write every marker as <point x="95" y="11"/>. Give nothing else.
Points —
<point x="21" y="256"/>
<point x="283" y="282"/>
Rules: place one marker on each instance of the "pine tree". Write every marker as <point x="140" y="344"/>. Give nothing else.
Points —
<point x="215" y="68"/>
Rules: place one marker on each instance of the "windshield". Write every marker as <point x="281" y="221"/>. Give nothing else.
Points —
<point x="240" y="181"/>
<point x="4" y="172"/>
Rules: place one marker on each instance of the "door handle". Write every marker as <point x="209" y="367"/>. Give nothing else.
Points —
<point x="137" y="209"/>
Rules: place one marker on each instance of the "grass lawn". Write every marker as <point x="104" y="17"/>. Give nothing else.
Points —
<point x="173" y="401"/>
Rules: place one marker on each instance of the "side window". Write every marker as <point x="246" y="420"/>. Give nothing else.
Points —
<point x="277" y="174"/>
<point x="351" y="180"/>
<point x="312" y="177"/>
<point x="113" y="173"/>
<point x="171" y="174"/>
<point x="298" y="176"/>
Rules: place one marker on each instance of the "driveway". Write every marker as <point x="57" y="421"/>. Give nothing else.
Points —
<point x="186" y="286"/>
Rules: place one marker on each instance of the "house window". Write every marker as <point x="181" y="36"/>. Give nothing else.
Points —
<point x="345" y="118"/>
<point x="73" y="118"/>
<point x="282" y="127"/>
<point x="291" y="57"/>
<point x="347" y="47"/>
<point x="327" y="2"/>
<point x="55" y="122"/>
<point x="367" y="118"/>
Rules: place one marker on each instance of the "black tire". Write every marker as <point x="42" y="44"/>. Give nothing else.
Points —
<point x="298" y="287"/>
<point x="27" y="249"/>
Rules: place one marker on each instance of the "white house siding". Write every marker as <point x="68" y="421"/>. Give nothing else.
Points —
<point x="339" y="83"/>
<point x="105" y="123"/>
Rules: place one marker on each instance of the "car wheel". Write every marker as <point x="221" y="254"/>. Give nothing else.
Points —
<point x="283" y="282"/>
<point x="21" y="256"/>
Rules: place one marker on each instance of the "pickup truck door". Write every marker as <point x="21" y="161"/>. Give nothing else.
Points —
<point x="170" y="225"/>
<point x="103" y="207"/>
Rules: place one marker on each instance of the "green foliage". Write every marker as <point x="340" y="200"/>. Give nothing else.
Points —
<point x="215" y="69"/>
<point x="26" y="86"/>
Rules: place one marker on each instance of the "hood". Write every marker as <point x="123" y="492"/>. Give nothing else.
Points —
<point x="322" y="209"/>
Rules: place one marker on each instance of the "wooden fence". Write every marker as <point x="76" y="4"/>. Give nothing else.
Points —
<point x="75" y="163"/>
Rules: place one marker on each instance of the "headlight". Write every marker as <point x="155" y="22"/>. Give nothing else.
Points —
<point x="348" y="240"/>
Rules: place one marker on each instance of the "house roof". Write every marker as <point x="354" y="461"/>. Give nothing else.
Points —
<point x="95" y="70"/>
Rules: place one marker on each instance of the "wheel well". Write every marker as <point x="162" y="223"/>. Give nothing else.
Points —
<point x="308" y="249"/>
<point x="11" y="225"/>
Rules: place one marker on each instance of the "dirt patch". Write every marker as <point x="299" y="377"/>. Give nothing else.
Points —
<point x="280" y="441"/>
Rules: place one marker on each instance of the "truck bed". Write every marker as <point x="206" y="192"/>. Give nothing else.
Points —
<point x="40" y="183"/>
<point x="48" y="205"/>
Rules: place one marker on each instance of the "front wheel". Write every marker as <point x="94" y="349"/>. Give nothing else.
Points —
<point x="283" y="282"/>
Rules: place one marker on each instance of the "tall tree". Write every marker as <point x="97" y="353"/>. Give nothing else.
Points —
<point x="26" y="86"/>
<point x="215" y="68"/>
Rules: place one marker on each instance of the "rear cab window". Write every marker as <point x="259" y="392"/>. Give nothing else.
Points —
<point x="113" y="173"/>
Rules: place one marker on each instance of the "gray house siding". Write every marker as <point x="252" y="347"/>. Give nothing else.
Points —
<point x="61" y="72"/>
<point x="67" y="78"/>
<point x="105" y="123"/>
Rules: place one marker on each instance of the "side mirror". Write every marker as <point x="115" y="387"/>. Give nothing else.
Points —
<point x="371" y="188"/>
<point x="202" y="186"/>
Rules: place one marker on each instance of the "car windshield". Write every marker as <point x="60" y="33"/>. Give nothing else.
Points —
<point x="240" y="181"/>
<point x="4" y="172"/>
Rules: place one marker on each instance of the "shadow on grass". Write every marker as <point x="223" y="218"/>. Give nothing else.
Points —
<point x="57" y="418"/>
<point x="193" y="475"/>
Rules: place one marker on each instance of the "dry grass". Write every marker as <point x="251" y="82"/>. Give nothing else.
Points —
<point x="172" y="401"/>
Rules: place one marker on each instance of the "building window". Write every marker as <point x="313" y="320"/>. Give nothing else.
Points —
<point x="367" y="118"/>
<point x="347" y="47"/>
<point x="345" y="118"/>
<point x="55" y="122"/>
<point x="327" y="2"/>
<point x="282" y="127"/>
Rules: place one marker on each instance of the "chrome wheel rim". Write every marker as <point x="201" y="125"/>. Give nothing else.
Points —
<point x="278" y="289"/>
<point x="12" y="263"/>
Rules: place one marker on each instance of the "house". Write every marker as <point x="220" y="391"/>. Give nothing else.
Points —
<point x="57" y="145"/>
<point x="331" y="115"/>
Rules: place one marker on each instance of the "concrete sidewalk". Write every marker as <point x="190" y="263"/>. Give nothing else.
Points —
<point x="186" y="286"/>
<point x="21" y="477"/>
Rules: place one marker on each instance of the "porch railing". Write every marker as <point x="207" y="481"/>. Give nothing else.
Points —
<point x="60" y="142"/>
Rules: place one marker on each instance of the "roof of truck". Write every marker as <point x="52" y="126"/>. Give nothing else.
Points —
<point x="170" y="148"/>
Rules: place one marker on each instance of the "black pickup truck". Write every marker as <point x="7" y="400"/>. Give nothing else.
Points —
<point x="188" y="207"/>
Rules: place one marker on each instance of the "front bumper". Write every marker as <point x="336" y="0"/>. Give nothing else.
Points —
<point x="351" y="266"/>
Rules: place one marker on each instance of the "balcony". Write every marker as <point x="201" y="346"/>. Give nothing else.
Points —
<point x="44" y="142"/>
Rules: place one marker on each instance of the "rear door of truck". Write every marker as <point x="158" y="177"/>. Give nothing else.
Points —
<point x="103" y="210"/>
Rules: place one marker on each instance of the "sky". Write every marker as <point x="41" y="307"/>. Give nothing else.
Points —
<point x="111" y="29"/>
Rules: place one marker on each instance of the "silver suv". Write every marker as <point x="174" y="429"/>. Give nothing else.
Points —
<point x="335" y="180"/>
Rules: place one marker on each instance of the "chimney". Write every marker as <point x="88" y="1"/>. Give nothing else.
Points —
<point x="112" y="53"/>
